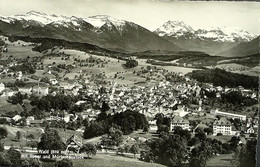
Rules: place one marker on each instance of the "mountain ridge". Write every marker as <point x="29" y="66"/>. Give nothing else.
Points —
<point x="110" y="33"/>
<point x="178" y="29"/>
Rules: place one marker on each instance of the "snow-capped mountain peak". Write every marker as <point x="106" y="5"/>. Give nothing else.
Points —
<point x="174" y="29"/>
<point x="178" y="29"/>
<point x="225" y="34"/>
<point x="35" y="16"/>
<point x="42" y="19"/>
<point x="99" y="20"/>
<point x="36" y="13"/>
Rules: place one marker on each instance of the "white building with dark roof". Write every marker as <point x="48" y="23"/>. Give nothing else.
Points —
<point x="222" y="126"/>
<point x="181" y="122"/>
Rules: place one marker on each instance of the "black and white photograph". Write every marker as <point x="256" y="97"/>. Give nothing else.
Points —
<point x="129" y="83"/>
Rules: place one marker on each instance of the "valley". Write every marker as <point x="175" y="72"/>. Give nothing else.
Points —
<point x="100" y="91"/>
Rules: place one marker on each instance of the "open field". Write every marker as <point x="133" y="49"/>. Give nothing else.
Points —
<point x="222" y="138"/>
<point x="105" y="160"/>
<point x="36" y="131"/>
<point x="19" y="51"/>
<point x="220" y="161"/>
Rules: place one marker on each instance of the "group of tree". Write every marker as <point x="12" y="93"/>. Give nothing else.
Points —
<point x="12" y="158"/>
<point x="131" y="63"/>
<point x="223" y="78"/>
<point x="169" y="150"/>
<point x="88" y="149"/>
<point x="173" y="149"/>
<point x="51" y="140"/>
<point x="134" y="149"/>
<point x="57" y="102"/>
<point x="126" y="121"/>
<point x="26" y="67"/>
<point x="17" y="98"/>
<point x="163" y="123"/>
<point x="245" y="155"/>
<point x="236" y="98"/>
<point x="113" y="138"/>
<point x="200" y="155"/>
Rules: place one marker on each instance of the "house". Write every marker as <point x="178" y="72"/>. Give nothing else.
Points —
<point x="223" y="126"/>
<point x="17" y="118"/>
<point x="251" y="130"/>
<point x="35" y="122"/>
<point x="28" y="119"/>
<point x="40" y="90"/>
<point x="53" y="81"/>
<point x="74" y="143"/>
<point x="5" y="49"/>
<point x="181" y="122"/>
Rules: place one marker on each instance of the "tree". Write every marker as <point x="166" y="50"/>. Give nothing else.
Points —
<point x="234" y="142"/>
<point x="89" y="149"/>
<point x="86" y="122"/>
<point x="95" y="129"/>
<point x="32" y="144"/>
<point x="208" y="130"/>
<point x="105" y="107"/>
<point x="2" y="148"/>
<point x="14" y="156"/>
<point x="31" y="136"/>
<point x="134" y="149"/>
<point x="245" y="155"/>
<point x="163" y="128"/>
<point x="31" y="162"/>
<point x="4" y="159"/>
<point x="131" y="63"/>
<point x="18" y="135"/>
<point x="163" y="123"/>
<point x="146" y="129"/>
<point x="116" y="136"/>
<point x="3" y="133"/>
<point x="51" y="140"/>
<point x="127" y="148"/>
<point x="200" y="155"/>
<point x="169" y="150"/>
<point x="17" y="98"/>
<point x="201" y="135"/>
<point x="121" y="150"/>
<point x="128" y="124"/>
<point x="184" y="133"/>
<point x="64" y="163"/>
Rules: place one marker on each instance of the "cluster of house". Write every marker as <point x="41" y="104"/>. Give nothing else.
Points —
<point x="149" y="100"/>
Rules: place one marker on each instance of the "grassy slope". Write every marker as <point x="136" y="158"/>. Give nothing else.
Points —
<point x="108" y="161"/>
<point x="220" y="161"/>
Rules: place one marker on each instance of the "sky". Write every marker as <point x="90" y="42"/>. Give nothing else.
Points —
<point x="150" y="14"/>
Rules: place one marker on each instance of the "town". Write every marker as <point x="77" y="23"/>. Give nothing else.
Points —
<point x="83" y="104"/>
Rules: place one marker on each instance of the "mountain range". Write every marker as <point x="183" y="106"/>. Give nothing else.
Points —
<point x="124" y="36"/>
<point x="178" y="29"/>
<point x="101" y="30"/>
<point x="213" y="41"/>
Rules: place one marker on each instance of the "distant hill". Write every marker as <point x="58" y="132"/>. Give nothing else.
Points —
<point x="244" y="49"/>
<point x="199" y="45"/>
